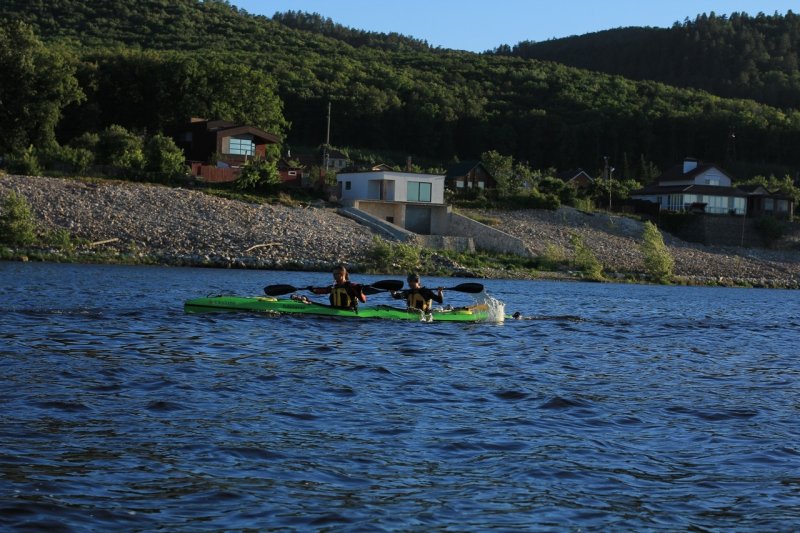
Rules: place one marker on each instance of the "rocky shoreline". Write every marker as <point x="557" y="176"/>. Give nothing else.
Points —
<point x="186" y="227"/>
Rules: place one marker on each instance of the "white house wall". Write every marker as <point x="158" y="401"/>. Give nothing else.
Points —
<point x="367" y="186"/>
<point x="712" y="176"/>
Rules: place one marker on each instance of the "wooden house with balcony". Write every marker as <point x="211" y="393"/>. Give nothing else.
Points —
<point x="217" y="149"/>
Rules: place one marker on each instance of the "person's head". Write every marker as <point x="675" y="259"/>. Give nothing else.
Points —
<point x="413" y="280"/>
<point x="340" y="274"/>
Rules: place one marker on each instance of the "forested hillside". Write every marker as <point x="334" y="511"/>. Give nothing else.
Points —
<point x="738" y="56"/>
<point x="144" y="64"/>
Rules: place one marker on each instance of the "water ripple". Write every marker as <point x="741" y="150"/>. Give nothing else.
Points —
<point x="603" y="407"/>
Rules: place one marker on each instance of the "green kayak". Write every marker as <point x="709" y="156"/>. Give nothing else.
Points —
<point x="268" y="304"/>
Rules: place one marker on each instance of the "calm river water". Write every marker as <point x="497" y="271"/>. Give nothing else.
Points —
<point x="608" y="407"/>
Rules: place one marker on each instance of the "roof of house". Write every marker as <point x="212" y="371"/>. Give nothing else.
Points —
<point x="754" y="189"/>
<point x="333" y="153"/>
<point x="286" y="164"/>
<point x="255" y="132"/>
<point x="462" y="168"/>
<point x="566" y="175"/>
<point x="760" y="190"/>
<point x="226" y="127"/>
<point x="365" y="166"/>
<point x="676" y="173"/>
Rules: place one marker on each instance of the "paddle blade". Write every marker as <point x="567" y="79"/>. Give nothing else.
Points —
<point x="473" y="288"/>
<point x="387" y="285"/>
<point x="277" y="290"/>
<point x="368" y="290"/>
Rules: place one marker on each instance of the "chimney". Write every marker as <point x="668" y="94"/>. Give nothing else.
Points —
<point x="408" y="164"/>
<point x="689" y="164"/>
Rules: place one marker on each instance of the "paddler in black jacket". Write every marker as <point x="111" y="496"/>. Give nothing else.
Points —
<point x="419" y="297"/>
<point x="343" y="293"/>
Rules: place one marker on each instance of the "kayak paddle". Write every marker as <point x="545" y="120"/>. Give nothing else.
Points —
<point x="473" y="288"/>
<point x="373" y="288"/>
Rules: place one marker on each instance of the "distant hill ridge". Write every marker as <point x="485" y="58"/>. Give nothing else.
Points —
<point x="740" y="56"/>
<point x="394" y="93"/>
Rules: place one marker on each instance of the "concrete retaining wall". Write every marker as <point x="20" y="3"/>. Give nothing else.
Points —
<point x="451" y="232"/>
<point x="722" y="231"/>
<point x="381" y="226"/>
<point x="485" y="237"/>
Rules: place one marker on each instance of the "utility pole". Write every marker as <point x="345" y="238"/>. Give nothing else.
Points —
<point x="610" y="179"/>
<point x="328" y="137"/>
<point x="607" y="177"/>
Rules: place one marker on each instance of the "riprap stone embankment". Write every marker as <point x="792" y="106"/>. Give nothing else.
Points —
<point x="189" y="227"/>
<point x="615" y="241"/>
<point x="180" y="226"/>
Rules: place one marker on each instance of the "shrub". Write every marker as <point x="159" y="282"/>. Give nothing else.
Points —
<point x="585" y="260"/>
<point x="584" y="204"/>
<point x="122" y="149"/>
<point x="553" y="257"/>
<point x="533" y="200"/>
<point x="164" y="161"/>
<point x="259" y="174"/>
<point x="17" y="225"/>
<point x="70" y="159"/>
<point x="61" y="239"/>
<point x="25" y="162"/>
<point x="87" y="141"/>
<point x="658" y="262"/>
<point x="393" y="256"/>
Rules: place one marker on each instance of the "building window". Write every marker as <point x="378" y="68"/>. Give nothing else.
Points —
<point x="241" y="146"/>
<point x="675" y="202"/>
<point x="348" y="185"/>
<point x="419" y="191"/>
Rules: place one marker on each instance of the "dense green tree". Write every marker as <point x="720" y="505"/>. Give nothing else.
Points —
<point x="37" y="82"/>
<point x="146" y="63"/>
<point x="164" y="161"/>
<point x="501" y="167"/>
<point x="739" y="56"/>
<point x="121" y="149"/>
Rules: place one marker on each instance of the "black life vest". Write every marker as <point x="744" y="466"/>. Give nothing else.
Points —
<point x="343" y="296"/>
<point x="417" y="300"/>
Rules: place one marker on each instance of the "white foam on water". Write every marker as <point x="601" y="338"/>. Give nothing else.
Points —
<point x="497" y="309"/>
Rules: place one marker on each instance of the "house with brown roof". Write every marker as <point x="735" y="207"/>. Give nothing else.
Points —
<point x="693" y="186"/>
<point x="469" y="175"/>
<point x="290" y="171"/>
<point x="216" y="149"/>
<point x="576" y="178"/>
<point x="760" y="201"/>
